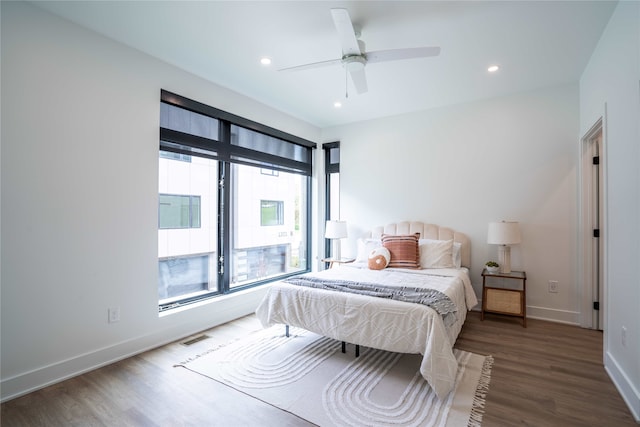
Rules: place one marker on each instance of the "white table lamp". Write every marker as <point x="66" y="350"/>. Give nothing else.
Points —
<point x="335" y="230"/>
<point x="504" y="233"/>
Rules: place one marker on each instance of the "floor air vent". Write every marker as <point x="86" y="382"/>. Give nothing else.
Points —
<point x="196" y="339"/>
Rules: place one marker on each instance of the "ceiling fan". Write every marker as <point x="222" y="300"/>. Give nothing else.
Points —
<point x="354" y="58"/>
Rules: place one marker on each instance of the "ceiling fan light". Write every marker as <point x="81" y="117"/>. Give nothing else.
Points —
<point x="354" y="63"/>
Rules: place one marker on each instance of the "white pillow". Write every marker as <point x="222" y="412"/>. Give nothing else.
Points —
<point x="436" y="253"/>
<point x="365" y="246"/>
<point x="457" y="247"/>
<point x="457" y="258"/>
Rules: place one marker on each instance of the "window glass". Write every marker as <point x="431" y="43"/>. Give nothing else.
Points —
<point x="175" y="156"/>
<point x="187" y="227"/>
<point x="185" y="275"/>
<point x="257" y="141"/>
<point x="176" y="118"/>
<point x="334" y="196"/>
<point x="332" y="190"/>
<point x="267" y="237"/>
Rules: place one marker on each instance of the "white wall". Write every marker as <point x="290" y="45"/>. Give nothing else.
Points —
<point x="80" y="116"/>
<point x="464" y="166"/>
<point x="610" y="88"/>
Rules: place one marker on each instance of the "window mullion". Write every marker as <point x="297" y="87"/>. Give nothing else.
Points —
<point x="224" y="221"/>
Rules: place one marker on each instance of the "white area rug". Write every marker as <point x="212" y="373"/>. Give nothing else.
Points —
<point x="309" y="376"/>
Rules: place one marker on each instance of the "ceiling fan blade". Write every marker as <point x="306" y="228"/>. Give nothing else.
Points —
<point x="407" y="53"/>
<point x="346" y="33"/>
<point x="312" y="65"/>
<point x="359" y="80"/>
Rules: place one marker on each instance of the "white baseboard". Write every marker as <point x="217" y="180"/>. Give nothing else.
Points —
<point x="549" y="314"/>
<point x="627" y="390"/>
<point x="44" y="376"/>
<point x="554" y="315"/>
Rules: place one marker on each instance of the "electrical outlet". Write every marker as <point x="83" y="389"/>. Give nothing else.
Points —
<point x="114" y="314"/>
<point x="553" y="286"/>
<point x="623" y="336"/>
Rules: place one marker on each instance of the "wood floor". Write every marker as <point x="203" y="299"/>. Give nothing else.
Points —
<point x="545" y="375"/>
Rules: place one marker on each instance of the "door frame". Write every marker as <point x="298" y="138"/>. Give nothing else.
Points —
<point x="586" y="200"/>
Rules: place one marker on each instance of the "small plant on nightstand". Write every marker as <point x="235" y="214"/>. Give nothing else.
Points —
<point x="492" y="267"/>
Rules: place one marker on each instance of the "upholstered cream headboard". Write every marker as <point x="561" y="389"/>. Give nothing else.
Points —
<point x="428" y="231"/>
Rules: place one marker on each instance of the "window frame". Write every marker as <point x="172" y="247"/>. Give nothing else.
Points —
<point x="226" y="153"/>
<point x="331" y="151"/>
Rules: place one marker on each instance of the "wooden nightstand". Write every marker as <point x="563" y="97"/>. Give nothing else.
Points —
<point x="502" y="296"/>
<point x="332" y="261"/>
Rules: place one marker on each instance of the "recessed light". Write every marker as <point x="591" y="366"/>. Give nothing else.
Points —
<point x="493" y="68"/>
<point x="265" y="61"/>
<point x="337" y="104"/>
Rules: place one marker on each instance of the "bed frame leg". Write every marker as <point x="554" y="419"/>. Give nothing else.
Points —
<point x="286" y="330"/>
<point x="344" y="348"/>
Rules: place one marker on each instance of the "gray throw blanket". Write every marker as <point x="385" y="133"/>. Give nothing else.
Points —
<point x="437" y="300"/>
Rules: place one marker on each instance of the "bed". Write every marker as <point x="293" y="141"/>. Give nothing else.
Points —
<point x="388" y="323"/>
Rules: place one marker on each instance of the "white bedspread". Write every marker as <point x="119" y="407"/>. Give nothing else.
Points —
<point x="379" y="323"/>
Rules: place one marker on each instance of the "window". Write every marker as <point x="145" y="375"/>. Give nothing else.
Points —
<point x="187" y="229"/>
<point x="274" y="243"/>
<point x="332" y="182"/>
<point x="233" y="202"/>
<point x="176" y="211"/>
<point x="271" y="212"/>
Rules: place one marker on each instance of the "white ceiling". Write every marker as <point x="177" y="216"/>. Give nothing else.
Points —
<point x="536" y="43"/>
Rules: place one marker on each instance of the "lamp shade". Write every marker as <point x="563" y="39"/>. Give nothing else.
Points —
<point x="335" y="230"/>
<point x="503" y="233"/>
